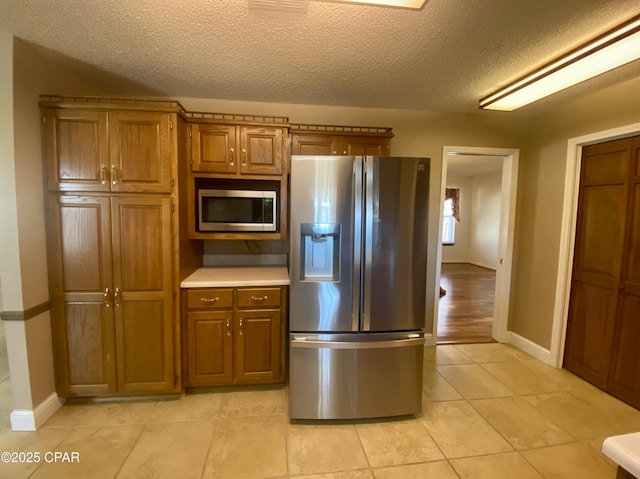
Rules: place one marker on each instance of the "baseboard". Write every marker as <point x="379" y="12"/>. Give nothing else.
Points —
<point x="429" y="340"/>
<point x="529" y="347"/>
<point x="28" y="420"/>
<point x="482" y="265"/>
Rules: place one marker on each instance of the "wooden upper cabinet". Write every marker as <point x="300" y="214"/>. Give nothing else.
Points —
<point x="318" y="145"/>
<point x="366" y="146"/>
<point x="261" y="150"/>
<point x="76" y="150"/>
<point x="237" y="150"/>
<point x="335" y="141"/>
<point x="213" y="148"/>
<point x="108" y="151"/>
<point x="140" y="152"/>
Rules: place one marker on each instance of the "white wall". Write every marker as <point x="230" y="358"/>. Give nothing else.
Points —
<point x="485" y="219"/>
<point x="478" y="230"/>
<point x="460" y="251"/>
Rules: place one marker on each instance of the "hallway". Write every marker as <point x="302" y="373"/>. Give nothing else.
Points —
<point x="465" y="313"/>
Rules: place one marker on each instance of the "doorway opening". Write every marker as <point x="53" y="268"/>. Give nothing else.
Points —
<point x="474" y="270"/>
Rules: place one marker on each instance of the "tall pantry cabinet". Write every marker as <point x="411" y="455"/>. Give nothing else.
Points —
<point x="112" y="172"/>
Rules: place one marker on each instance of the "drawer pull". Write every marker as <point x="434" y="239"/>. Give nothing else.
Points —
<point x="259" y="299"/>
<point x="209" y="300"/>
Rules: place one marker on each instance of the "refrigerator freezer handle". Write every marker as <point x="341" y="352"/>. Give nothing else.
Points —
<point x="357" y="207"/>
<point x="320" y="344"/>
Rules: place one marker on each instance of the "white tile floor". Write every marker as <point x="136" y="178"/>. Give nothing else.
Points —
<point x="489" y="411"/>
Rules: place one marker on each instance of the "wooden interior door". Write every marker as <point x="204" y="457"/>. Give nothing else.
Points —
<point x="257" y="347"/>
<point x="140" y="152"/>
<point x="82" y="309"/>
<point x="262" y="150"/>
<point x="213" y="149"/>
<point x="77" y="149"/>
<point x="599" y="245"/>
<point x="142" y="253"/>
<point x="624" y="378"/>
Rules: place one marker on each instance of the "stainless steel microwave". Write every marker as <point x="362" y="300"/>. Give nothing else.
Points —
<point x="237" y="210"/>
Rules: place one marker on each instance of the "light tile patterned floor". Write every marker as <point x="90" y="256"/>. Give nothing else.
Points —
<point x="489" y="412"/>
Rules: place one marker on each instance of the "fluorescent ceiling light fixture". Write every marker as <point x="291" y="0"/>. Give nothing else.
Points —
<point x="606" y="52"/>
<point x="410" y="4"/>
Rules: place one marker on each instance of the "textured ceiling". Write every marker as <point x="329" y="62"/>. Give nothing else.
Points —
<point x="444" y="57"/>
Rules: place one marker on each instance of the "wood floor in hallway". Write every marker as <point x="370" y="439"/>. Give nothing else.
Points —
<point x="465" y="313"/>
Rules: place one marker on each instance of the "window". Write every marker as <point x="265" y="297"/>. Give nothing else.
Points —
<point x="451" y="215"/>
<point x="449" y="224"/>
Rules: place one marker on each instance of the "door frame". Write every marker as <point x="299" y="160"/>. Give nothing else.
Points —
<point x="510" y="163"/>
<point x="568" y="231"/>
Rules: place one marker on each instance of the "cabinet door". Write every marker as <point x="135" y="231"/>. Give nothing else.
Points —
<point x="210" y="342"/>
<point x="140" y="152"/>
<point x="213" y="148"/>
<point x="142" y="263"/>
<point x="76" y="150"/>
<point x="262" y="150"/>
<point x="318" y="145"/>
<point x="80" y="280"/>
<point x="257" y="346"/>
<point x="365" y="145"/>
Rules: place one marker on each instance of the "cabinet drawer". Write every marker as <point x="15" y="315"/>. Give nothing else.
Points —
<point x="209" y="298"/>
<point x="262" y="297"/>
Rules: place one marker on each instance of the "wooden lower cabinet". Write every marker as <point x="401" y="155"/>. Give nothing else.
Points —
<point x="111" y="270"/>
<point x="234" y="336"/>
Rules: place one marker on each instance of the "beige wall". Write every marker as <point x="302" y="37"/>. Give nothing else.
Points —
<point x="485" y="219"/>
<point x="540" y="198"/>
<point x="9" y="258"/>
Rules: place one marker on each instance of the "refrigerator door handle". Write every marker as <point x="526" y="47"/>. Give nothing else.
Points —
<point x="367" y="232"/>
<point x="394" y="343"/>
<point x="357" y="242"/>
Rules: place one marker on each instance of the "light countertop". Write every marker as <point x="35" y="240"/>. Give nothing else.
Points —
<point x="237" y="276"/>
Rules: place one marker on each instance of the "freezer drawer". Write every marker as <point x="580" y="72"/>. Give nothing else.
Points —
<point x="344" y="377"/>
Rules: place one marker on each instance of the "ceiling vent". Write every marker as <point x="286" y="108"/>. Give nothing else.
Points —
<point x="291" y="6"/>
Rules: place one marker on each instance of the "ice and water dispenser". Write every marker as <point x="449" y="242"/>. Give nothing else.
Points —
<point x="320" y="251"/>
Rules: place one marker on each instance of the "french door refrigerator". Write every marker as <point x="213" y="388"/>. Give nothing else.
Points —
<point x="358" y="281"/>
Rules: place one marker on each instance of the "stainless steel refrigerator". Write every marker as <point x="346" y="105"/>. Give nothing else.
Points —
<point x="358" y="283"/>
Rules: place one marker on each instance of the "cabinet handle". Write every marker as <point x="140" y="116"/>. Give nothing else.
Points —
<point x="344" y="152"/>
<point x="103" y="175"/>
<point x="244" y="157"/>
<point x="116" y="297"/>
<point x="209" y="300"/>
<point x="232" y="155"/>
<point x="335" y="152"/>
<point x="114" y="175"/>
<point x="240" y="330"/>
<point x="107" y="294"/>
<point x="228" y="327"/>
<point x="259" y="299"/>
